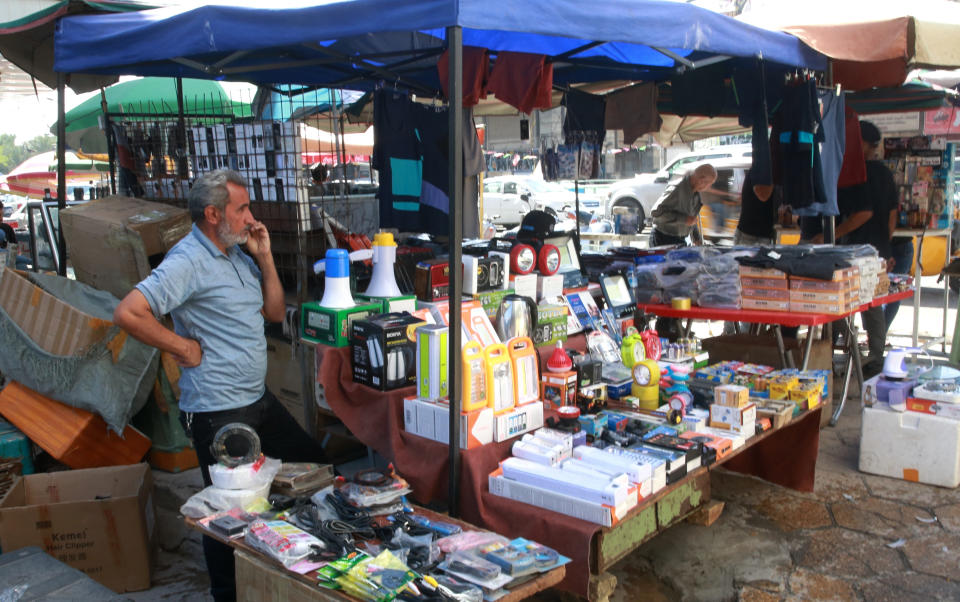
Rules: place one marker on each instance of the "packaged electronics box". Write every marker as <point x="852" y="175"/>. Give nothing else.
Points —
<point x="100" y="521"/>
<point x="332" y="326"/>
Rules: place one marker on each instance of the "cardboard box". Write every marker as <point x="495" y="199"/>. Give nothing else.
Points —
<point x="73" y="436"/>
<point x="734" y="396"/>
<point x="764" y="304"/>
<point x="763" y="350"/>
<point x="110" y="240"/>
<point x="549" y="288"/>
<point x="779" y="412"/>
<point x="100" y="521"/>
<point x="383" y="351"/>
<point x="332" y="326"/>
<point x="390" y="305"/>
<point x="752" y="272"/>
<point x="551" y="324"/>
<point x="772" y="283"/>
<point x="490" y="300"/>
<point x="524" y="285"/>
<point x="548" y="499"/>
<point x="739" y="420"/>
<point x="55" y="326"/>
<point x="558" y="389"/>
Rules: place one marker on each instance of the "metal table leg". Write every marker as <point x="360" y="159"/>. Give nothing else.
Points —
<point x="853" y="367"/>
<point x="808" y="347"/>
<point x="848" y="369"/>
<point x="785" y="359"/>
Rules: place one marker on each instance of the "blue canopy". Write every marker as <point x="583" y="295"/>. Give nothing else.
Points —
<point x="348" y="43"/>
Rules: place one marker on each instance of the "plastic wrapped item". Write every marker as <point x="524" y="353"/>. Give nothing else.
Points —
<point x="721" y="265"/>
<point x="378" y="579"/>
<point x="720" y="298"/>
<point x="468" y="540"/>
<point x="681" y="290"/>
<point x="673" y="273"/>
<point x="253" y="475"/>
<point x="650" y="296"/>
<point x="211" y="500"/>
<point x="471" y="567"/>
<point x="647" y="275"/>
<point x="282" y="541"/>
<point x="454" y="589"/>
<point x="375" y="495"/>
<point x="693" y="254"/>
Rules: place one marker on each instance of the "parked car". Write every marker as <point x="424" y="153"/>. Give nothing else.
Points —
<point x="506" y="199"/>
<point x="15" y="212"/>
<point x="638" y="194"/>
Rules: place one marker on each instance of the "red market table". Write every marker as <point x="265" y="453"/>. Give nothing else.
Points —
<point x="778" y="319"/>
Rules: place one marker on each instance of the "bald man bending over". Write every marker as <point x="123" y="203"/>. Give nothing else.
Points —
<point x="675" y="212"/>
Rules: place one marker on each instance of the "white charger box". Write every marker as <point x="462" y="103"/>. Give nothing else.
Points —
<point x="520" y="420"/>
<point x="600" y="489"/>
<point x="547" y="499"/>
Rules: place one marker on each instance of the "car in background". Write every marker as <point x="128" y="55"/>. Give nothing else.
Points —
<point x="637" y="195"/>
<point x="15" y="212"/>
<point x="506" y="199"/>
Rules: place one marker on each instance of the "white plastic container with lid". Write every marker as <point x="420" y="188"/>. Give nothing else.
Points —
<point x="910" y="445"/>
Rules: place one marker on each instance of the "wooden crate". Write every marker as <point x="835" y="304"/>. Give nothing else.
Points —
<point x="73" y="436"/>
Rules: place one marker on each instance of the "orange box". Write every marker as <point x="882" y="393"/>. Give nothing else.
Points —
<point x="770" y="294"/>
<point x="558" y="389"/>
<point x="73" y="436"/>
<point x="747" y="282"/>
<point x="764" y="304"/>
<point x="752" y="272"/>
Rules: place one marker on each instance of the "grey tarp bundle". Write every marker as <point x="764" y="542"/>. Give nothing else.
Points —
<point x="90" y="381"/>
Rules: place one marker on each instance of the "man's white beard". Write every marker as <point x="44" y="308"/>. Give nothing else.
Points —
<point x="227" y="238"/>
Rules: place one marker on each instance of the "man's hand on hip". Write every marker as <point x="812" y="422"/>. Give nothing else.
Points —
<point x="191" y="356"/>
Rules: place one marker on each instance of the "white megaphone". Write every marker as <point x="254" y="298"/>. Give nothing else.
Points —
<point x="384" y="282"/>
<point x="336" y="284"/>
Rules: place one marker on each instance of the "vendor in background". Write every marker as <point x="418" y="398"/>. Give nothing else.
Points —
<point x="868" y="214"/>
<point x="219" y="298"/>
<point x="674" y="216"/>
<point x="675" y="212"/>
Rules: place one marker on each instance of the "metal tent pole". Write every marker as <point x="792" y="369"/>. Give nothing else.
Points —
<point x="455" y="85"/>
<point x="181" y="132"/>
<point x="61" y="171"/>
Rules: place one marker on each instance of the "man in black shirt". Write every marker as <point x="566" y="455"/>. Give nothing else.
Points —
<point x="758" y="214"/>
<point x="868" y="212"/>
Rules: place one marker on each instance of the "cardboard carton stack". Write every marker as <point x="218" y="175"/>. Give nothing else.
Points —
<point x="764" y="289"/>
<point x="838" y="295"/>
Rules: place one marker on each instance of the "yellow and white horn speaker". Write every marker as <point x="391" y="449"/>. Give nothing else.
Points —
<point x="336" y="283"/>
<point x="384" y="282"/>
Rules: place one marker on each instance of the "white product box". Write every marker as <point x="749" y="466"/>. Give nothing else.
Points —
<point x="562" y="437"/>
<point x="520" y="420"/>
<point x="431" y="421"/>
<point x="524" y="284"/>
<point x="534" y="452"/>
<point x="593" y="512"/>
<point x="658" y="466"/>
<point x="637" y="472"/>
<point x="740" y="420"/>
<point x="549" y="287"/>
<point x="558" y="447"/>
<point x="593" y="470"/>
<point x="738" y="439"/>
<point x="600" y="490"/>
<point x="911" y="446"/>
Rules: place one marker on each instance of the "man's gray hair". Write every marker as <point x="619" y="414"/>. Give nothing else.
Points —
<point x="211" y="189"/>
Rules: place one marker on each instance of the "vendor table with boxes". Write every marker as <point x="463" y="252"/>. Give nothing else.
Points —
<point x="779" y="319"/>
<point x="786" y="456"/>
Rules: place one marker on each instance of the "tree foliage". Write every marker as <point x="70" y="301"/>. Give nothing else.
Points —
<point x="13" y="154"/>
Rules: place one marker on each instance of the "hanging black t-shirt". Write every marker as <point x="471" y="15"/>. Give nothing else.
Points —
<point x="398" y="157"/>
<point x="877" y="194"/>
<point x="757" y="218"/>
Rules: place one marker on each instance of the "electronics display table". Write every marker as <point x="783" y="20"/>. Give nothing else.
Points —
<point x="786" y="456"/>
<point x="257" y="572"/>
<point x="778" y="319"/>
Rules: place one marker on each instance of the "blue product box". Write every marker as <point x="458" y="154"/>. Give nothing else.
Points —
<point x="618" y="389"/>
<point x="616" y="422"/>
<point x="593" y="424"/>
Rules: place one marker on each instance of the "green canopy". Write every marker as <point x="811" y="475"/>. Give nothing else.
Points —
<point x="148" y="95"/>
<point x="75" y="163"/>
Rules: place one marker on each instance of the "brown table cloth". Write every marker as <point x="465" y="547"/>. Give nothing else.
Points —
<point x="376" y="418"/>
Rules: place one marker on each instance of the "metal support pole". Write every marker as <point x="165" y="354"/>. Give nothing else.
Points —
<point x="111" y="141"/>
<point x="181" y="132"/>
<point x="455" y="86"/>
<point x="61" y="171"/>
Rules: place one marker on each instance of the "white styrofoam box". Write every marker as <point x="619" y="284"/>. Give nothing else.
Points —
<point x="910" y="446"/>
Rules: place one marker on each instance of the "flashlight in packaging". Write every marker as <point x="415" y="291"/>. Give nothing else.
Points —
<point x="432" y="372"/>
<point x="526" y="377"/>
<point x="500" y="394"/>
<point x="474" y="377"/>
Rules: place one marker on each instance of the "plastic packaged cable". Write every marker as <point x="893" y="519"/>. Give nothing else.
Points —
<point x="282" y="541"/>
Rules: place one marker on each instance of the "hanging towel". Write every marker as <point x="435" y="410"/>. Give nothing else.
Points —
<point x="854" y="168"/>
<point x="633" y="110"/>
<point x="476" y="72"/>
<point x="522" y="80"/>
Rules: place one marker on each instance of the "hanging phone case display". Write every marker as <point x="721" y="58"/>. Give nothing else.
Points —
<point x="500" y="394"/>
<point x="921" y="168"/>
<point x="526" y="373"/>
<point x="474" y="377"/>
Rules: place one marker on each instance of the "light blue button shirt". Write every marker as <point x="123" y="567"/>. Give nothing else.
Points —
<point x="214" y="298"/>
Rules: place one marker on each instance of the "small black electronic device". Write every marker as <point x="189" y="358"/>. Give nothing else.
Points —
<point x="228" y="525"/>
